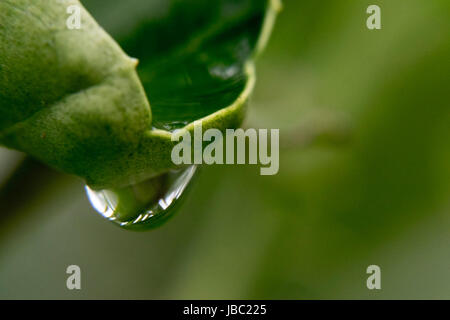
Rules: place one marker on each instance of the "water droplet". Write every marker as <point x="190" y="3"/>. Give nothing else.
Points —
<point x="144" y="205"/>
<point x="169" y="125"/>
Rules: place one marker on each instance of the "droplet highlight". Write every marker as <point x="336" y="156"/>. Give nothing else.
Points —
<point x="145" y="205"/>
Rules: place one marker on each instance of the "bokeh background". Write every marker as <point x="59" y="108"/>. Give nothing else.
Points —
<point x="364" y="179"/>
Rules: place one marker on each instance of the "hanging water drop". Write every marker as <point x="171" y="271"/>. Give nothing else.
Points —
<point x="144" y="205"/>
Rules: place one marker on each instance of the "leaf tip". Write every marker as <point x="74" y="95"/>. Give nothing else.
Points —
<point x="135" y="62"/>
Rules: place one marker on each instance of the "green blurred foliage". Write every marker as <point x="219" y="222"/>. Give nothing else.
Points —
<point x="364" y="179"/>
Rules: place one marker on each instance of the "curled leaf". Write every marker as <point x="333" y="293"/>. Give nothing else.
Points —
<point x="73" y="98"/>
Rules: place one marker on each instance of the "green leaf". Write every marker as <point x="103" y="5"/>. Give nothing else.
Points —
<point x="73" y="99"/>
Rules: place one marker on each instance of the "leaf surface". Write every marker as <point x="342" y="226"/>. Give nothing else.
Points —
<point x="73" y="99"/>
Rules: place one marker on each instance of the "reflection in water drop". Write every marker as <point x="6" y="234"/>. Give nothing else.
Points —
<point x="169" y="125"/>
<point x="144" y="205"/>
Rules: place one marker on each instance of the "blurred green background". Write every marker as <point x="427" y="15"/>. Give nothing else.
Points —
<point x="364" y="179"/>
